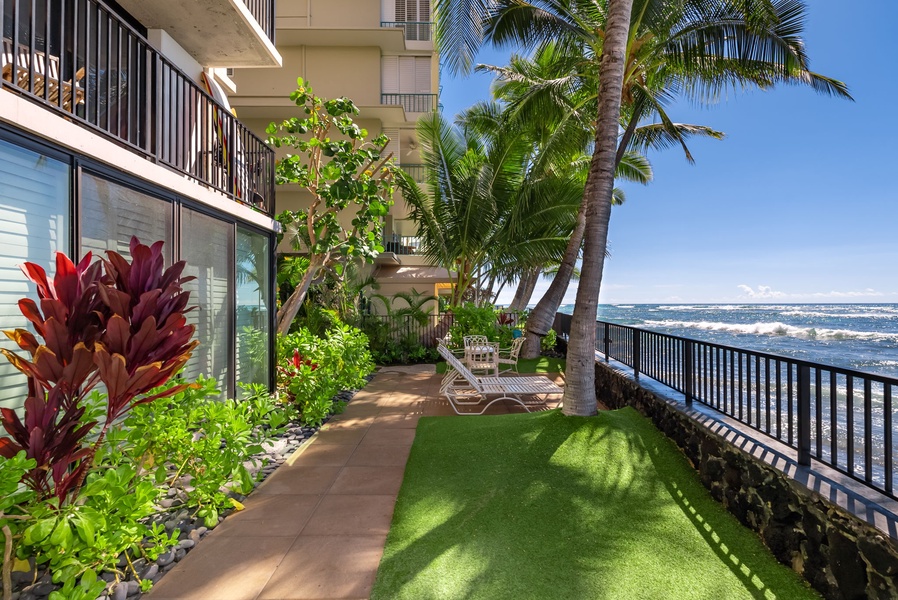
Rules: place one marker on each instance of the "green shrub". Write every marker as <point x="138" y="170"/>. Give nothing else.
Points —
<point x="470" y="319"/>
<point x="311" y="370"/>
<point x="547" y="344"/>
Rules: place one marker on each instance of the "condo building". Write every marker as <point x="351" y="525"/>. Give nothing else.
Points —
<point x="114" y="123"/>
<point x="381" y="55"/>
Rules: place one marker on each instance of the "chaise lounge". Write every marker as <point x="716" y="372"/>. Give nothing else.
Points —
<point x="464" y="389"/>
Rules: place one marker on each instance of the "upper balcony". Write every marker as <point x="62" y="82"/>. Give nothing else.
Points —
<point x="217" y="33"/>
<point x="374" y="23"/>
<point x="91" y="67"/>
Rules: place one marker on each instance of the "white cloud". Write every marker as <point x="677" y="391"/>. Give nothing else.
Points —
<point x="763" y="291"/>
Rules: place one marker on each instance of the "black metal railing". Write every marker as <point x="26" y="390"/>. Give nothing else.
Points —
<point x="416" y="103"/>
<point x="83" y="61"/>
<point x="841" y="417"/>
<point x="263" y="12"/>
<point x="399" y="327"/>
<point x="416" y="172"/>
<point x="415" y="31"/>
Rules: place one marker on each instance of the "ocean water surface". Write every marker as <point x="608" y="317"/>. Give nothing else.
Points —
<point x="856" y="336"/>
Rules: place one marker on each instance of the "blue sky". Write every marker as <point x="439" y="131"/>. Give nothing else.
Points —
<point x="797" y="204"/>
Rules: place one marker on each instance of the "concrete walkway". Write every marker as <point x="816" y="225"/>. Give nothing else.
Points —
<point x="316" y="528"/>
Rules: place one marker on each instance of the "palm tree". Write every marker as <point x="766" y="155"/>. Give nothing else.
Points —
<point x="550" y="89"/>
<point x="480" y="187"/>
<point x="695" y="48"/>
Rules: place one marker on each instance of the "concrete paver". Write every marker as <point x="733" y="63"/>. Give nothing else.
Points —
<point x="316" y="528"/>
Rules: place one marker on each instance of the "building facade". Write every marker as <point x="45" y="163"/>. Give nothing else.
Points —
<point x="380" y="54"/>
<point x="113" y="123"/>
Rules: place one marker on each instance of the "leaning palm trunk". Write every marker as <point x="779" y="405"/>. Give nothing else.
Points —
<point x="579" y="392"/>
<point x="543" y="314"/>
<point x="525" y="290"/>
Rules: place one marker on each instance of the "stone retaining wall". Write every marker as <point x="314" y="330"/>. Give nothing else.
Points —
<point x="842" y="556"/>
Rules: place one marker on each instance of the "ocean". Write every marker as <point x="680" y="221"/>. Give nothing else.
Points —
<point x="856" y="336"/>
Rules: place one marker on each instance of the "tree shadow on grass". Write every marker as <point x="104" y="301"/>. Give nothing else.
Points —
<point x="762" y="577"/>
<point x="545" y="506"/>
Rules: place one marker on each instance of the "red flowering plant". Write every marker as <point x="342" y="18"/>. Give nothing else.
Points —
<point x="113" y="322"/>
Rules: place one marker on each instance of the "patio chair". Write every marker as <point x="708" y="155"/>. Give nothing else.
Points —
<point x="483" y="357"/>
<point x="512" y="357"/>
<point x="462" y="388"/>
<point x="45" y="73"/>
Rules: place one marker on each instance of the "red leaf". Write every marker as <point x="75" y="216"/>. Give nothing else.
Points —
<point x="38" y="275"/>
<point x="32" y="313"/>
<point x="9" y="448"/>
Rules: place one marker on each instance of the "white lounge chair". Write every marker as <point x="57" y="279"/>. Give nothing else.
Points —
<point x="463" y="388"/>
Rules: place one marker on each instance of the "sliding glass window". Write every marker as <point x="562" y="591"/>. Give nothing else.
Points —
<point x="253" y="306"/>
<point x="111" y="213"/>
<point x="207" y="244"/>
<point x="34" y="224"/>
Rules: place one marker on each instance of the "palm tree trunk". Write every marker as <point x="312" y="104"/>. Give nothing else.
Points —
<point x="579" y="392"/>
<point x="525" y="290"/>
<point x="543" y="314"/>
<point x="291" y="306"/>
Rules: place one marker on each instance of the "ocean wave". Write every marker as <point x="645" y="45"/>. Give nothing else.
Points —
<point x="844" y="315"/>
<point x="777" y="329"/>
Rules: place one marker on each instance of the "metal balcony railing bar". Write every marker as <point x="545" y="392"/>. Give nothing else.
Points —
<point x="263" y="11"/>
<point x="841" y="417"/>
<point x="88" y="64"/>
<point x="416" y="171"/>
<point x="416" y="103"/>
<point x="415" y="31"/>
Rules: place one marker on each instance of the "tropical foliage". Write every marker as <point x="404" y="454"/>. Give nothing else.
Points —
<point x="346" y="174"/>
<point x="657" y="51"/>
<point x="311" y="369"/>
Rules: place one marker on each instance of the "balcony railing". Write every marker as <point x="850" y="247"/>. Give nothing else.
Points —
<point x="402" y="245"/>
<point x="86" y="63"/>
<point x="263" y="11"/>
<point x="415" y="31"/>
<point x="416" y="172"/>
<point x="415" y="103"/>
<point x="840" y="417"/>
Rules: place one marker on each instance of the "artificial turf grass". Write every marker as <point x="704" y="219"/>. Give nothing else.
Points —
<point x="546" y="506"/>
<point x="540" y="364"/>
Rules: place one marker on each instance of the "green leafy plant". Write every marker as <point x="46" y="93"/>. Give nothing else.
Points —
<point x="115" y="322"/>
<point x="14" y="498"/>
<point x="471" y="319"/>
<point x="349" y="174"/>
<point x="88" y="588"/>
<point x="311" y="370"/>
<point x="547" y="343"/>
<point x="202" y="436"/>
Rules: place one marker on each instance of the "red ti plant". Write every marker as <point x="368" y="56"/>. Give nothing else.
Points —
<point x="299" y="360"/>
<point x="113" y="322"/>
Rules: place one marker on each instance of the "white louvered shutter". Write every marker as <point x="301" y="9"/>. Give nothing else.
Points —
<point x="389" y="74"/>
<point x="393" y="146"/>
<point x="422" y="75"/>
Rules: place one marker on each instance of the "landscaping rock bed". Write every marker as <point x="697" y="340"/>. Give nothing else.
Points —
<point x="173" y="515"/>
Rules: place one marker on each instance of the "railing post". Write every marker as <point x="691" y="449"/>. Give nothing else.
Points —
<point x="636" y="352"/>
<point x="687" y="371"/>
<point x="804" y="414"/>
<point x="607" y="340"/>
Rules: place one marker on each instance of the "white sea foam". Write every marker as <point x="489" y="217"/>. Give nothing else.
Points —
<point x="777" y="329"/>
<point x="843" y="315"/>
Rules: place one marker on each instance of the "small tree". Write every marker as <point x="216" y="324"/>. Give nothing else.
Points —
<point x="347" y="174"/>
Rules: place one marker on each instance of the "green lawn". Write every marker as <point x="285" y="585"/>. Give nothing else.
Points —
<point x="542" y="364"/>
<point x="545" y="506"/>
